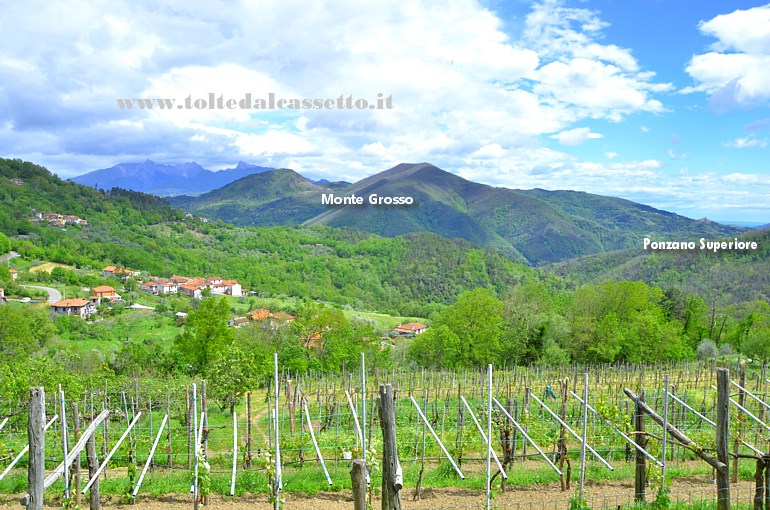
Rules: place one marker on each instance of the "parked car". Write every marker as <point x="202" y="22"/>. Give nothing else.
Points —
<point x="25" y="300"/>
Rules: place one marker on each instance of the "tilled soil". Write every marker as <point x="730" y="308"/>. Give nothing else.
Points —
<point x="538" y="497"/>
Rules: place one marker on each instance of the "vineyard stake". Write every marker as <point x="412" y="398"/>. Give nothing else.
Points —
<point x="585" y="436"/>
<point x="149" y="457"/>
<point x="526" y="436"/>
<point x="435" y="436"/>
<point x="484" y="437"/>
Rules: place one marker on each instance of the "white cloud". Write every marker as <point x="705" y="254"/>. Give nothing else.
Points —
<point x="610" y="155"/>
<point x="747" y="142"/>
<point x="676" y="154"/>
<point x="576" y="136"/>
<point x="734" y="73"/>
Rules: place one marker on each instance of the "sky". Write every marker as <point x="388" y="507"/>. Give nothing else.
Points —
<point x="664" y="102"/>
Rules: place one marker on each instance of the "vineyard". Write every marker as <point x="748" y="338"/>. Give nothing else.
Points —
<point x="538" y="419"/>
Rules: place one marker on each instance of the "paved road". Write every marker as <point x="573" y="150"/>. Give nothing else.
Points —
<point x="53" y="294"/>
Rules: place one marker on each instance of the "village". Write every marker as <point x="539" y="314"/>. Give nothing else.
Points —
<point x="102" y="297"/>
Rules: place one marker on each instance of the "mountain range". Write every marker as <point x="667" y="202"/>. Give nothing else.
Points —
<point x="532" y="226"/>
<point x="166" y="180"/>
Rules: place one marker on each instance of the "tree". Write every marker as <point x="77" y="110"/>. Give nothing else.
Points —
<point x="5" y="244"/>
<point x="23" y="331"/>
<point x="206" y="335"/>
<point x="233" y="374"/>
<point x="467" y="334"/>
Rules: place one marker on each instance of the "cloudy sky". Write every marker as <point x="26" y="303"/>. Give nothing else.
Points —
<point x="663" y="102"/>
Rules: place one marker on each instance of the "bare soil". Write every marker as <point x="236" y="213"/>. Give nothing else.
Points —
<point x="600" y="495"/>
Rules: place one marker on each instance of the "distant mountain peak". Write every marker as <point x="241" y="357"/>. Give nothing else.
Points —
<point x="187" y="178"/>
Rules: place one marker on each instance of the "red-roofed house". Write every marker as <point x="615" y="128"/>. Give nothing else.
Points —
<point x="233" y="288"/>
<point x="14" y="274"/>
<point x="409" y="329"/>
<point x="76" y="306"/>
<point x="191" y="291"/>
<point x="104" y="292"/>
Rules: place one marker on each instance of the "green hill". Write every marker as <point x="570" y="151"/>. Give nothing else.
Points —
<point x="279" y="197"/>
<point x="729" y="276"/>
<point x="531" y="226"/>
<point x="410" y="275"/>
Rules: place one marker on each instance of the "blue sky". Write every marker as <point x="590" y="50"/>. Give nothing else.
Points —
<point x="661" y="102"/>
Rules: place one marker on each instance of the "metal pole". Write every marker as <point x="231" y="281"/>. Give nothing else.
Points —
<point x="665" y="434"/>
<point x="585" y="434"/>
<point x="574" y="434"/>
<point x="64" y="442"/>
<point x="235" y="453"/>
<point x="484" y="436"/>
<point x="435" y="436"/>
<point x="489" y="435"/>
<point x="149" y="457"/>
<point x="194" y="488"/>
<point x="278" y="477"/>
<point x="363" y="412"/>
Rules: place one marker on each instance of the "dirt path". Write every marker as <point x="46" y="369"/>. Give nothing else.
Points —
<point x="537" y="497"/>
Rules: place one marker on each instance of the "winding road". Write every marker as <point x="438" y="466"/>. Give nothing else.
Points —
<point x="53" y="294"/>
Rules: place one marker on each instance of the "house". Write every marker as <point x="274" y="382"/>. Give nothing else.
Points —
<point x="232" y="288"/>
<point x="409" y="329"/>
<point x="76" y="306"/>
<point x="260" y="315"/>
<point x="179" y="279"/>
<point x="119" y="272"/>
<point x="150" y="287"/>
<point x="52" y="217"/>
<point x="2" y="295"/>
<point x="17" y="182"/>
<point x="191" y="291"/>
<point x="14" y="274"/>
<point x="104" y="292"/>
<point x="166" y="286"/>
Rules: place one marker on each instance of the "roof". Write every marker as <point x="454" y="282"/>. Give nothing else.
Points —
<point x="13" y="271"/>
<point x="70" y="303"/>
<point x="104" y="288"/>
<point x="261" y="314"/>
<point x="109" y="268"/>
<point x="411" y="326"/>
<point x="188" y="286"/>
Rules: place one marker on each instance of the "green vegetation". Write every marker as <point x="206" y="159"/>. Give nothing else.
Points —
<point x="531" y="226"/>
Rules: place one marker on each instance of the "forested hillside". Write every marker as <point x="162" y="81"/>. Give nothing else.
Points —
<point x="727" y="277"/>
<point x="411" y="275"/>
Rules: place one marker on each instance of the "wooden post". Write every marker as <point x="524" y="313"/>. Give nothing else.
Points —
<point x="205" y="428"/>
<point x="93" y="466"/>
<point x="76" y="464"/>
<point x="767" y="482"/>
<point x="36" y="437"/>
<point x="723" y="433"/>
<point x="759" y="485"/>
<point x="739" y="435"/>
<point x="290" y="404"/>
<point x="358" y="479"/>
<point x="392" y="479"/>
<point x="640" y="476"/>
